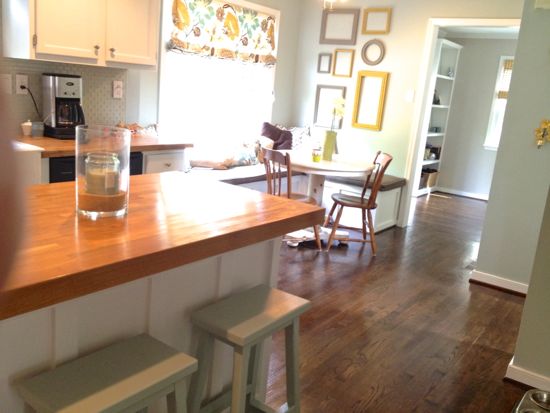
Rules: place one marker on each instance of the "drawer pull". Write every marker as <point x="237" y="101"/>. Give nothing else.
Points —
<point x="168" y="164"/>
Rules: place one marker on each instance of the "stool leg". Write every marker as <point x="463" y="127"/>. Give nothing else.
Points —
<point x="254" y="369"/>
<point x="177" y="401"/>
<point x="198" y="380"/>
<point x="241" y="358"/>
<point x="292" y="366"/>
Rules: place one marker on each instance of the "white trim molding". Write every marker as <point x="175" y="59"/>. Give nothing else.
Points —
<point x="483" y="197"/>
<point x="500" y="282"/>
<point x="528" y="377"/>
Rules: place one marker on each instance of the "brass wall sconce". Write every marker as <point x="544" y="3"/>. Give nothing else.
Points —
<point x="542" y="134"/>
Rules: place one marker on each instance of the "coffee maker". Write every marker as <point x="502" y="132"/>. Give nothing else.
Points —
<point x="61" y="105"/>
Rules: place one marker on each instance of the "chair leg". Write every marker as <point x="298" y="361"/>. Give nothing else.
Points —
<point x="317" y="237"/>
<point x="241" y="357"/>
<point x="327" y="219"/>
<point x="373" y="245"/>
<point x="292" y="366"/>
<point x="364" y="222"/>
<point x="177" y="400"/>
<point x="334" y="227"/>
<point x="198" y="380"/>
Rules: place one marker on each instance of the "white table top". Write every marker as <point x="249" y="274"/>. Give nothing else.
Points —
<point x="303" y="162"/>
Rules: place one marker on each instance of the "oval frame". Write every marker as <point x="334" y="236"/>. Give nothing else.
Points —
<point x="381" y="47"/>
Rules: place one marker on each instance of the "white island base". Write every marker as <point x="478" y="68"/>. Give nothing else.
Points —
<point x="159" y="305"/>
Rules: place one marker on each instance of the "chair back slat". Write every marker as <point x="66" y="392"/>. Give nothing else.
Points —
<point x="374" y="179"/>
<point x="276" y="163"/>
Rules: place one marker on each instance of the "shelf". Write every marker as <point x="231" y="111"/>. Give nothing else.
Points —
<point x="430" y="162"/>
<point x="435" y="135"/>
<point x="445" y="77"/>
<point x="440" y="106"/>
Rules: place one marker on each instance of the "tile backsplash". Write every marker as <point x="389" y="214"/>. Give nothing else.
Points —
<point x="97" y="83"/>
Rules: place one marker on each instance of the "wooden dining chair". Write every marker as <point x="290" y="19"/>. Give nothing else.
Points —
<point x="277" y="165"/>
<point x="366" y="203"/>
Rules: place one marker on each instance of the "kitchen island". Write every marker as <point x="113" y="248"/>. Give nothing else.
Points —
<point x="79" y="284"/>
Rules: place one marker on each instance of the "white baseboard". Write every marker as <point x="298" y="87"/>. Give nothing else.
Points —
<point x="499" y="282"/>
<point x="483" y="197"/>
<point x="528" y="377"/>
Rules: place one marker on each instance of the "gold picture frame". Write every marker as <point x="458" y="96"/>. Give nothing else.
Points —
<point x="343" y="62"/>
<point x="370" y="98"/>
<point x="376" y="20"/>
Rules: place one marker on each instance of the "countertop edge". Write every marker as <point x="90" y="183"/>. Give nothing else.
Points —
<point x="53" y="291"/>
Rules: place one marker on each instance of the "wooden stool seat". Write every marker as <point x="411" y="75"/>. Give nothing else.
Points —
<point x="124" y="377"/>
<point x="244" y="321"/>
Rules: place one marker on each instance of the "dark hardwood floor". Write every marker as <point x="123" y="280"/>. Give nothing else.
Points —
<point x="404" y="331"/>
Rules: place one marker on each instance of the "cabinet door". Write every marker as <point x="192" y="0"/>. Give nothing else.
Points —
<point x="164" y="162"/>
<point x="73" y="28"/>
<point x="132" y="31"/>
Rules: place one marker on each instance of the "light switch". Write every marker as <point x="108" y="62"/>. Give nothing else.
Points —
<point x="5" y="84"/>
<point x="118" y="89"/>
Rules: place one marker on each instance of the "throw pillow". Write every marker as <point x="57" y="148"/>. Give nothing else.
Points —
<point x="282" y="139"/>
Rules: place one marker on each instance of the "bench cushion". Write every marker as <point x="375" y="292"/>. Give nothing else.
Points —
<point x="389" y="182"/>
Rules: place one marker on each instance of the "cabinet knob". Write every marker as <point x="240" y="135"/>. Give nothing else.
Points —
<point x="168" y="164"/>
<point x="112" y="50"/>
<point x="96" y="47"/>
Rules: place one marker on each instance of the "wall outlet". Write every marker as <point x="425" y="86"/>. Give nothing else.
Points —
<point x="5" y="84"/>
<point x="118" y="89"/>
<point x="21" y="80"/>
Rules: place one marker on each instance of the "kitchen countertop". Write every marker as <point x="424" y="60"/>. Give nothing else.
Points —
<point x="55" y="148"/>
<point x="173" y="220"/>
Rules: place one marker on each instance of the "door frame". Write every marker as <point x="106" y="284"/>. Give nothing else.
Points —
<point x="414" y="158"/>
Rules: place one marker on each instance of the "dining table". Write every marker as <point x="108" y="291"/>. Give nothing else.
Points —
<point x="317" y="171"/>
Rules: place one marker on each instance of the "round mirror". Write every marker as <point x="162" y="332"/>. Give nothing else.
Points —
<point x="373" y="52"/>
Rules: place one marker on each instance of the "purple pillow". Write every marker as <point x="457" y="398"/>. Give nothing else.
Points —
<point x="282" y="138"/>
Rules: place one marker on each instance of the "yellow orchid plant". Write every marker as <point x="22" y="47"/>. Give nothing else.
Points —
<point x="337" y="110"/>
<point x="542" y="134"/>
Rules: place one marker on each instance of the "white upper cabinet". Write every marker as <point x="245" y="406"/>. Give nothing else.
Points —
<point x="132" y="31"/>
<point x="73" y="28"/>
<point x="97" y="32"/>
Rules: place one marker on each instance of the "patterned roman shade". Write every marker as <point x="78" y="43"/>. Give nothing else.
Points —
<point x="223" y="30"/>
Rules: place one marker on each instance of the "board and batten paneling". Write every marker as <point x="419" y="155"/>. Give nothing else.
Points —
<point x="160" y="305"/>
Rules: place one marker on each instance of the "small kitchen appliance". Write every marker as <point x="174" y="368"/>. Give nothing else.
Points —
<point x="61" y="105"/>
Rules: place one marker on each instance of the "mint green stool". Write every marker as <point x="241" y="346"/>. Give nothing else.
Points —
<point x="244" y="321"/>
<point x="127" y="376"/>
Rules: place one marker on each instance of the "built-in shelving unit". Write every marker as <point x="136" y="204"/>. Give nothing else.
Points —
<point x="437" y="109"/>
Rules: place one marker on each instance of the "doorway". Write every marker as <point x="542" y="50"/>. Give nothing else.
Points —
<point x="452" y="163"/>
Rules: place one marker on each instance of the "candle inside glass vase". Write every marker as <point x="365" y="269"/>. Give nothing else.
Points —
<point x="102" y="163"/>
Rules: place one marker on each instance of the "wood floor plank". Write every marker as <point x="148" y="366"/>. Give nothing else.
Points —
<point x="404" y="331"/>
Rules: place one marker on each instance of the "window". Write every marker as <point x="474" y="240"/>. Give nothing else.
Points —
<point x="500" y="99"/>
<point x="214" y="101"/>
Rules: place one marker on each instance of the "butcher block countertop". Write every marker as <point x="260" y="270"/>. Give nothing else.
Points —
<point x="55" y="148"/>
<point x="173" y="219"/>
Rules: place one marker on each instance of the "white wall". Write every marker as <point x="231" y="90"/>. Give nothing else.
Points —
<point x="522" y="172"/>
<point x="467" y="167"/>
<point x="404" y="50"/>
<point x="531" y="363"/>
